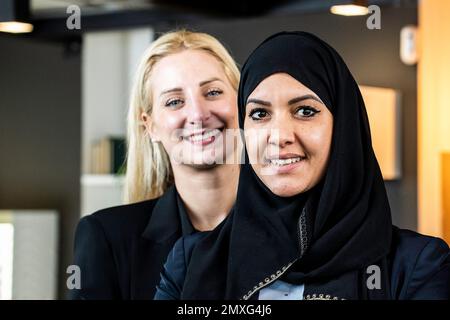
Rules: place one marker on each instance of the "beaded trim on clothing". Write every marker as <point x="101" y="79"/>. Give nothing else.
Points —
<point x="321" y="296"/>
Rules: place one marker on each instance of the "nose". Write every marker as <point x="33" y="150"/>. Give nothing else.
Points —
<point x="282" y="132"/>
<point x="198" y="111"/>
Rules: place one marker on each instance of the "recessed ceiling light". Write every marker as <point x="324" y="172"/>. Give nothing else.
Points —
<point x="354" y="8"/>
<point x="15" y="27"/>
<point x="14" y="16"/>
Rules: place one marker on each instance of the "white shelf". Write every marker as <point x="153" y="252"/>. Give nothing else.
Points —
<point x="103" y="180"/>
<point x="100" y="191"/>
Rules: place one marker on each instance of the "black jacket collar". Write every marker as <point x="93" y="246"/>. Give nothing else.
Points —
<point x="168" y="218"/>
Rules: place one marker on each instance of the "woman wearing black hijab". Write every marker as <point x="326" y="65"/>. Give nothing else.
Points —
<point x="311" y="217"/>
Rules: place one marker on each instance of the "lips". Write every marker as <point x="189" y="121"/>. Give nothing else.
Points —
<point x="284" y="159"/>
<point x="203" y="137"/>
<point x="284" y="162"/>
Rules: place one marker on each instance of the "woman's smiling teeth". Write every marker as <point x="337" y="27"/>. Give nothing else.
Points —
<point x="205" y="136"/>
<point x="284" y="162"/>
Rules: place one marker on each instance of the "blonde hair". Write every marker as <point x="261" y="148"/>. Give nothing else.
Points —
<point x="148" y="171"/>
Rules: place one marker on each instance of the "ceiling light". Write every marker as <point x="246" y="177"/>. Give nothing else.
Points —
<point x="15" y="27"/>
<point x="14" y="15"/>
<point x="355" y="8"/>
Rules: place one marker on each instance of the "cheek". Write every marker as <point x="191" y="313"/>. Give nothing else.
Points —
<point x="227" y="111"/>
<point x="256" y="144"/>
<point x="168" y="122"/>
<point x="318" y="141"/>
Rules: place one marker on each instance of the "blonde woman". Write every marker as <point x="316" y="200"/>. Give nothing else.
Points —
<point x="181" y="170"/>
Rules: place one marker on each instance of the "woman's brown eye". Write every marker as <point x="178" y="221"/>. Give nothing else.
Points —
<point x="258" y="114"/>
<point x="306" y="112"/>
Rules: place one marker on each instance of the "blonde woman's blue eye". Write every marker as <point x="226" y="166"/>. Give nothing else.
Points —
<point x="213" y="93"/>
<point x="173" y="103"/>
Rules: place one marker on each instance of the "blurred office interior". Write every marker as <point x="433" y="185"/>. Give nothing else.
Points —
<point x="64" y="93"/>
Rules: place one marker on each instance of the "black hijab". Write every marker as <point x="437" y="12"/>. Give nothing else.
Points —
<point x="342" y="225"/>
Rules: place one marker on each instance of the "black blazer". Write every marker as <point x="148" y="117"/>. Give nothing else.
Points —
<point x="419" y="269"/>
<point x="121" y="250"/>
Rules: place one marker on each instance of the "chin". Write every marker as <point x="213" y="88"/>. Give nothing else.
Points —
<point x="286" y="189"/>
<point x="202" y="161"/>
<point x="205" y="166"/>
<point x="282" y="192"/>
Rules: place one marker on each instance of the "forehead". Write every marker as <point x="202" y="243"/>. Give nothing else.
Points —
<point x="279" y="85"/>
<point x="184" y="68"/>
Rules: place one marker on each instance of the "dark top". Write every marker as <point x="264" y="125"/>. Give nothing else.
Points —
<point x="121" y="250"/>
<point x="419" y="268"/>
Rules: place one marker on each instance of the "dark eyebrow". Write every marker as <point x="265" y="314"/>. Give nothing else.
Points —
<point x="290" y="102"/>
<point x="258" y="101"/>
<point x="305" y="97"/>
<point x="201" y="84"/>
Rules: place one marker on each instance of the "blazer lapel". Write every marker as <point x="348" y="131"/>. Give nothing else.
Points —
<point x="149" y="260"/>
<point x="153" y="246"/>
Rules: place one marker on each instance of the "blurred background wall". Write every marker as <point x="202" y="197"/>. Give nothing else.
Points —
<point x="40" y="109"/>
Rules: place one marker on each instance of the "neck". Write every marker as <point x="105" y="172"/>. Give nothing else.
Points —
<point x="208" y="194"/>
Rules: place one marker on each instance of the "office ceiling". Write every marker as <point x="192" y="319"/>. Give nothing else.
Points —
<point x="224" y="8"/>
<point x="49" y="16"/>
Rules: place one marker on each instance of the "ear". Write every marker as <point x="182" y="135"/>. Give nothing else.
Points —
<point x="149" y="127"/>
